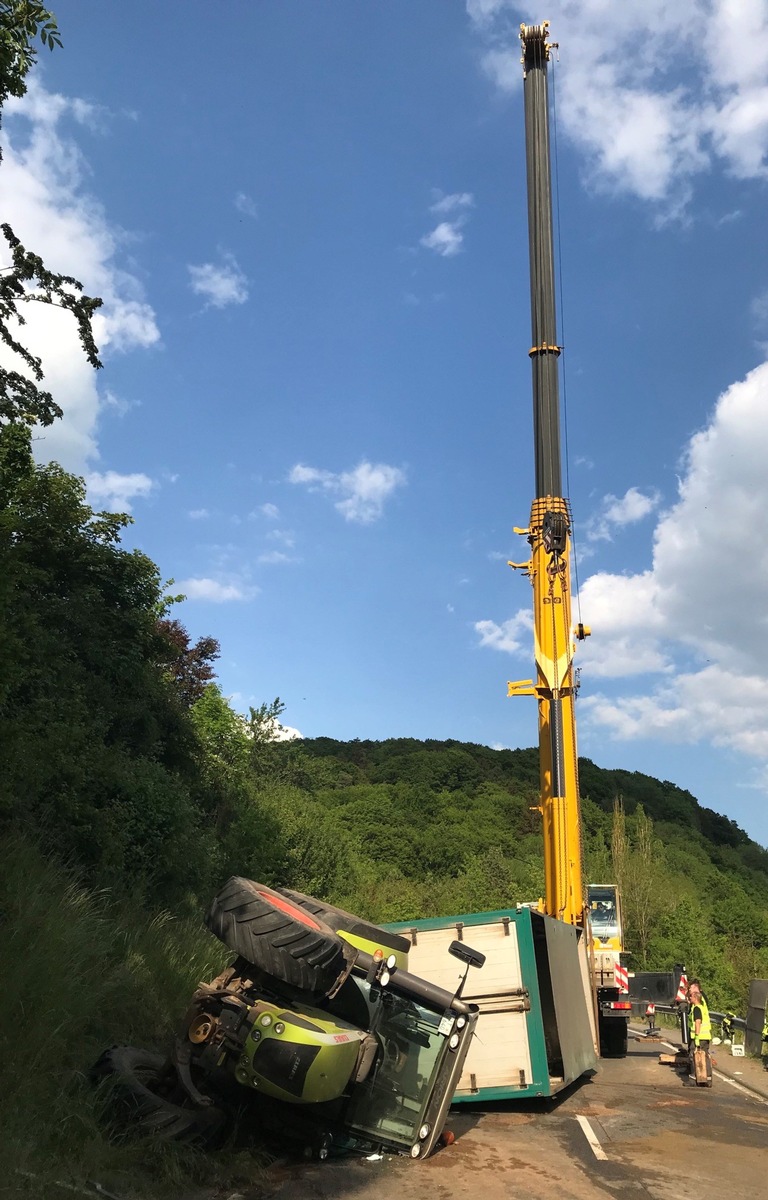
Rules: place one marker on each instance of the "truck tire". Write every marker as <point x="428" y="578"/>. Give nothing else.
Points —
<point x="613" y="1039"/>
<point x="342" y="921"/>
<point x="279" y="937"/>
<point x="150" y="1100"/>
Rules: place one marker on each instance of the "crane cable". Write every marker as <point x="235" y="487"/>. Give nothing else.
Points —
<point x="574" y="558"/>
<point x="559" y="257"/>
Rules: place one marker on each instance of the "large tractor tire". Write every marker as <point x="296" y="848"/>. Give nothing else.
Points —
<point x="344" y="922"/>
<point x="150" y="1099"/>
<point x="279" y="937"/>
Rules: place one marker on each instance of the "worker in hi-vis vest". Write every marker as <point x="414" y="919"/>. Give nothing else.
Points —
<point x="699" y="1025"/>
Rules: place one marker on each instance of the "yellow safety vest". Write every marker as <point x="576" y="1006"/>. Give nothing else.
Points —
<point x="705" y="1033"/>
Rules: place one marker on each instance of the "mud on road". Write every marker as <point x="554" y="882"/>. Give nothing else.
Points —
<point x="660" y="1138"/>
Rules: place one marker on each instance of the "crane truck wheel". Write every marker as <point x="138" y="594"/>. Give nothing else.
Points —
<point x="367" y="936"/>
<point x="613" y="1040"/>
<point x="147" y="1098"/>
<point x="279" y="937"/>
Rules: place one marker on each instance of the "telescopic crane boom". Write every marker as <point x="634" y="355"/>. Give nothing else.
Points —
<point x="549" y="529"/>
<point x="554" y="990"/>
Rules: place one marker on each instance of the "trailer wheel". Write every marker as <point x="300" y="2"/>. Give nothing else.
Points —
<point x="345" y="922"/>
<point x="149" y="1100"/>
<point x="278" y="936"/>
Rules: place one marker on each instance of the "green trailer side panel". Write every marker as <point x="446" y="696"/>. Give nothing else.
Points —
<point x="506" y="937"/>
<point x="520" y="1054"/>
<point x="536" y="1042"/>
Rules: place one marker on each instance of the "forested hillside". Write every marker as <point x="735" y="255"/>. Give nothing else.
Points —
<point x="402" y="829"/>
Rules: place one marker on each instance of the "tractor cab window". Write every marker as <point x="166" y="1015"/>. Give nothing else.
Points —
<point x="391" y="1101"/>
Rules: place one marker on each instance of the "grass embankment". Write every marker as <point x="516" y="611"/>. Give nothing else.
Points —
<point x="80" y="974"/>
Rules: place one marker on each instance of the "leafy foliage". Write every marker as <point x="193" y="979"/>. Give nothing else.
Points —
<point x="26" y="279"/>
<point x="190" y="667"/>
<point x="21" y="23"/>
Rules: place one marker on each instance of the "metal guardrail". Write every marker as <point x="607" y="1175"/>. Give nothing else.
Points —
<point x="676" y="1010"/>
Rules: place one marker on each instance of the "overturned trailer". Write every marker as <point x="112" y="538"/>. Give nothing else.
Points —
<point x="536" y="1032"/>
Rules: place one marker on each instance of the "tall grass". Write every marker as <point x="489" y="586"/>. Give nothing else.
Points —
<point x="77" y="976"/>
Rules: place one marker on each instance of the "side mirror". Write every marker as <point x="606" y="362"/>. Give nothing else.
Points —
<point x="465" y="954"/>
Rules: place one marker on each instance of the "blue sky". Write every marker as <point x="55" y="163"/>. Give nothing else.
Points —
<point x="307" y="219"/>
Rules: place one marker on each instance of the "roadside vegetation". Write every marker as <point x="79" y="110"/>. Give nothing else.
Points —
<point x="130" y="789"/>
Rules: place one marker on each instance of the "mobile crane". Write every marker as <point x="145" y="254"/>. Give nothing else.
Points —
<point x="549" y="570"/>
<point x="555" y="992"/>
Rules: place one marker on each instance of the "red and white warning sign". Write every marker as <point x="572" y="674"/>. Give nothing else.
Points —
<point x="621" y="975"/>
<point x="682" y="990"/>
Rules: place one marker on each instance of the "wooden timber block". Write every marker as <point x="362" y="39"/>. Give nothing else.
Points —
<point x="668" y="1060"/>
<point x="702" y="1068"/>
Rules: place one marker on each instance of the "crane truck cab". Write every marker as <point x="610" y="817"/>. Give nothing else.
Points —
<point x="605" y="921"/>
<point x="611" y="981"/>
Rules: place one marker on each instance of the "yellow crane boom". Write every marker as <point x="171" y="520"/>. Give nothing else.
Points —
<point x="549" y="529"/>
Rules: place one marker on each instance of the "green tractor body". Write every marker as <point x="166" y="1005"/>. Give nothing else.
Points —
<point x="317" y="1020"/>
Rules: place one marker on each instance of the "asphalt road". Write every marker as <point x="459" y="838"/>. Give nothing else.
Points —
<point x="635" y="1129"/>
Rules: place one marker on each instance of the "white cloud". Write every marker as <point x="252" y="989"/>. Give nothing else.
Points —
<point x="445" y="239"/>
<point x="647" y="127"/>
<point x="679" y="651"/>
<point x="617" y="512"/>
<point x="271" y="511"/>
<point x="214" y="591"/>
<point x="246" y="205"/>
<point x="286" y="537"/>
<point x="276" y="558"/>
<point x="512" y="636"/>
<point x="115" y="492"/>
<point x="198" y="514"/>
<point x="363" y="490"/>
<point x="284" y="733"/>
<point x="483" y="10"/>
<point x="46" y="202"/>
<point x="695" y="619"/>
<point x="628" y="628"/>
<point x="117" y="404"/>
<point x="759" y="312"/>
<point x="453" y="203"/>
<point x="220" y="284"/>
